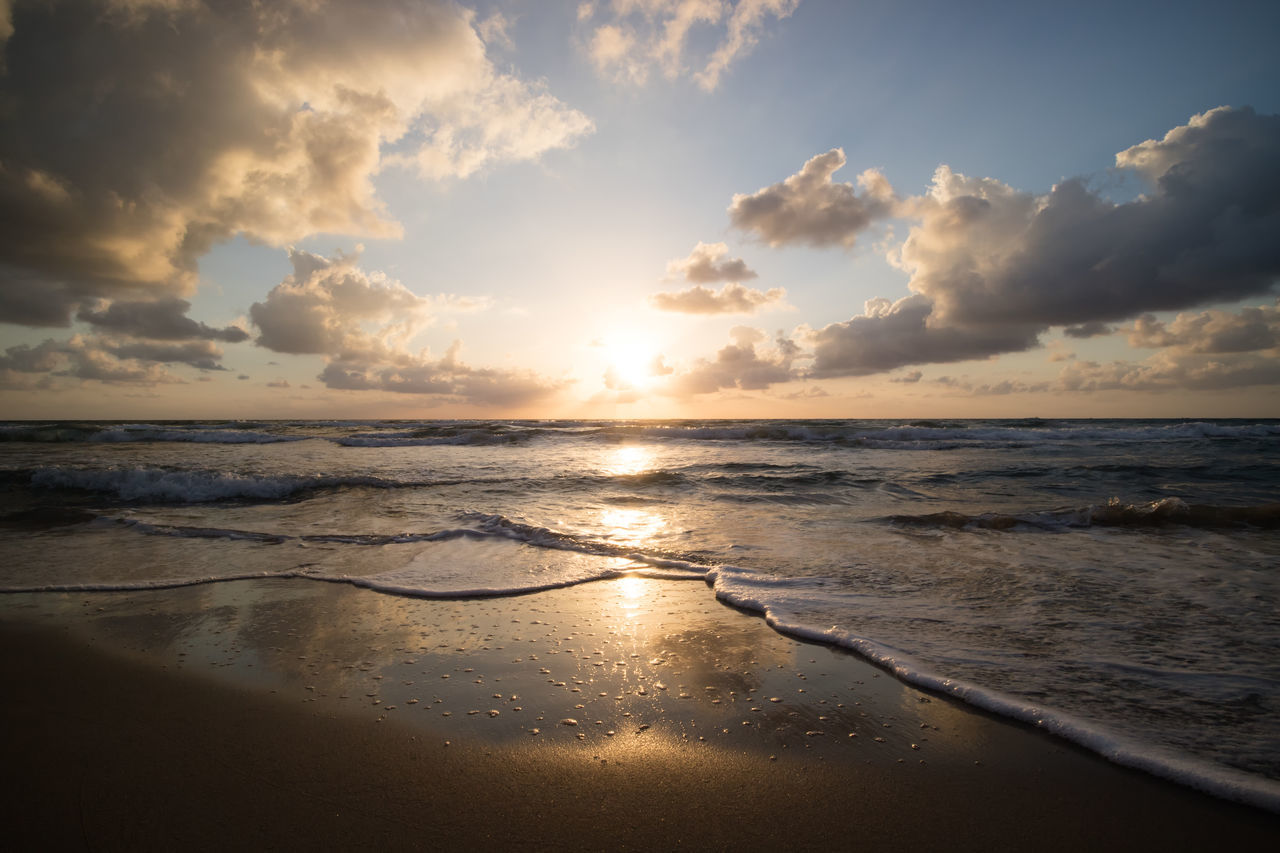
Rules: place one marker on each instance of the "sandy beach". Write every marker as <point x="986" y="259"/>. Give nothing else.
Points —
<point x="624" y="714"/>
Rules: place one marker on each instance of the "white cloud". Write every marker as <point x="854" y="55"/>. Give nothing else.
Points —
<point x="705" y="264"/>
<point x="363" y="323"/>
<point x="634" y="37"/>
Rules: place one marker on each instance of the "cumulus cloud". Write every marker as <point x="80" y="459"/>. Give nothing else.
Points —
<point x="889" y="335"/>
<point x="89" y="358"/>
<point x="1209" y="231"/>
<point x="704" y="265"/>
<point x="138" y="133"/>
<point x="809" y="208"/>
<point x="1252" y="329"/>
<point x="992" y="268"/>
<point x="707" y="264"/>
<point x="1172" y="371"/>
<point x="362" y="323"/>
<point x="327" y="306"/>
<point x="629" y="38"/>
<point x="739" y="365"/>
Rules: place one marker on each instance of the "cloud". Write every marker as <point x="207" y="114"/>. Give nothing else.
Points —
<point x="325" y="307"/>
<point x="1171" y="371"/>
<point x="362" y="323"/>
<point x="1209" y="231"/>
<point x="91" y="358"/>
<point x="992" y="268"/>
<point x="1256" y="328"/>
<point x="633" y="37"/>
<point x="703" y="266"/>
<point x="203" y="355"/>
<point x="136" y="135"/>
<point x="729" y="299"/>
<point x="163" y="319"/>
<point x="1091" y="329"/>
<point x="738" y="365"/>
<point x="909" y="378"/>
<point x="808" y="208"/>
<point x="889" y="335"/>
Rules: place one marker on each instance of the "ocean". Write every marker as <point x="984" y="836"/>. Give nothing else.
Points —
<point x="1112" y="582"/>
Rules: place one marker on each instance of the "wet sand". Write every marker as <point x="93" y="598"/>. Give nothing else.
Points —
<point x="624" y="714"/>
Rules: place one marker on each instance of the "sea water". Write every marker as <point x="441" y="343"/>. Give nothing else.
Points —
<point x="1114" y="582"/>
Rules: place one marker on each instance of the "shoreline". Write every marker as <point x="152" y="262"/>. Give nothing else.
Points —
<point x="321" y="715"/>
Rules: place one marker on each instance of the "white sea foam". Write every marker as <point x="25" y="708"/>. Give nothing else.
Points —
<point x="768" y="596"/>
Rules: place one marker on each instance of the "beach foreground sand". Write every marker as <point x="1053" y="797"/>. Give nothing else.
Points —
<point x="625" y="714"/>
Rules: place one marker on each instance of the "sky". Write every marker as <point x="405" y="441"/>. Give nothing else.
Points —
<point x="638" y="208"/>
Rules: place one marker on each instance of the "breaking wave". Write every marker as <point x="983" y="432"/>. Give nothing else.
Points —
<point x="1163" y="513"/>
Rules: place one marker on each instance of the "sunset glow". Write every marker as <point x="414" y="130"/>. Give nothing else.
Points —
<point x="672" y="208"/>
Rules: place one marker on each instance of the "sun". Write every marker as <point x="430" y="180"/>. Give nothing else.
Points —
<point x="629" y="361"/>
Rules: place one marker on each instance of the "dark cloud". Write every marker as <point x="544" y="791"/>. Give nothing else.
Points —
<point x="135" y="135"/>
<point x="892" y="335"/>
<point x="41" y="358"/>
<point x="164" y="319"/>
<point x="809" y="209"/>
<point x="992" y="268"/>
<point x="1208" y="232"/>
<point x="204" y="355"/>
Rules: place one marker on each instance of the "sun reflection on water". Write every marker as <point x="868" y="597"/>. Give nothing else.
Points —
<point x="629" y="459"/>
<point x="632" y="526"/>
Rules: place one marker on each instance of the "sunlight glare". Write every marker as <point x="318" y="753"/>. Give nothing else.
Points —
<point x="629" y="361"/>
<point x="632" y="526"/>
<point x="629" y="459"/>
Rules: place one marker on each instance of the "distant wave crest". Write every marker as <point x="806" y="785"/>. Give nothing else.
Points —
<point x="1116" y="513"/>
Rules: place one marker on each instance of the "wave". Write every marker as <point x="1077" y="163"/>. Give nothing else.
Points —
<point x="1161" y="513"/>
<point x="158" y="485"/>
<point x="201" y="436"/>
<point x="915" y="435"/>
<point x="442" y="436"/>
<point x="751" y="591"/>
<point x="125" y="433"/>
